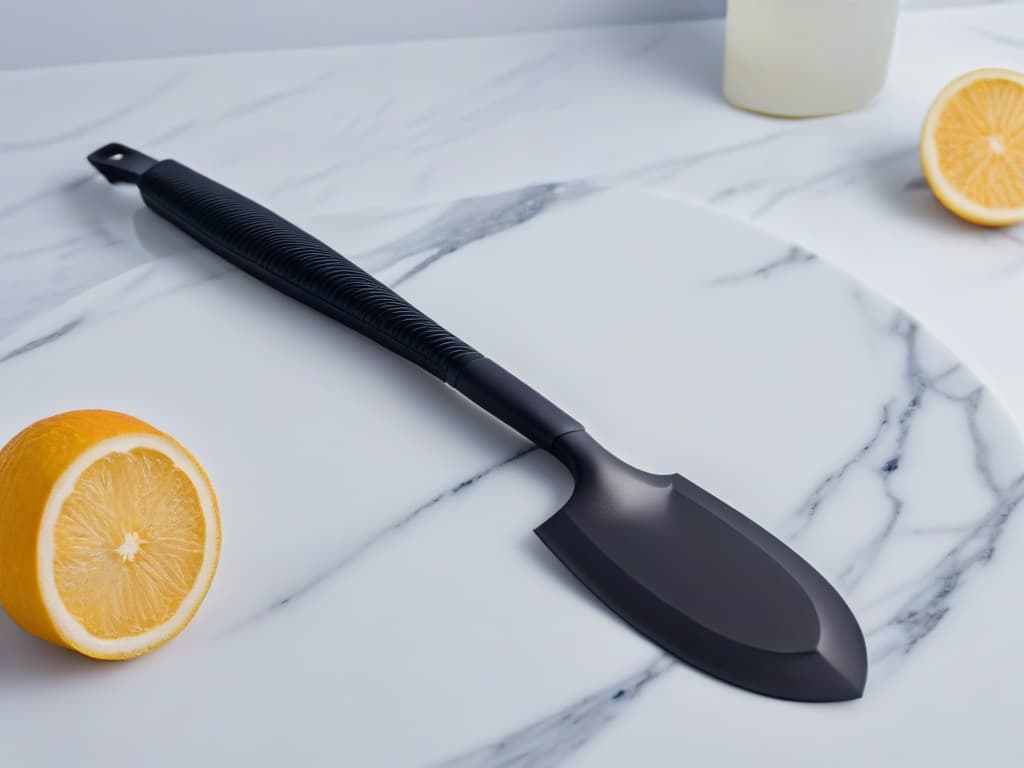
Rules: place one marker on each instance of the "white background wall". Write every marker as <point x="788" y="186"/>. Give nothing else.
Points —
<point x="51" y="32"/>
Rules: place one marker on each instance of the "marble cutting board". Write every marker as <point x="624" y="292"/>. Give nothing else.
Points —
<point x="381" y="600"/>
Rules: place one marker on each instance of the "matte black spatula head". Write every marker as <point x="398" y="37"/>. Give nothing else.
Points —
<point x="703" y="581"/>
<point x="679" y="565"/>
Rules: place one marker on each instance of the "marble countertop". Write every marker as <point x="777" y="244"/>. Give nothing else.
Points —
<point x="450" y="142"/>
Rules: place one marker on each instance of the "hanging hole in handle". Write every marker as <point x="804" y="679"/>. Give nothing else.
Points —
<point x="119" y="163"/>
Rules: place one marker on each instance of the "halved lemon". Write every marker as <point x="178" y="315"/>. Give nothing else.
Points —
<point x="972" y="147"/>
<point x="109" y="533"/>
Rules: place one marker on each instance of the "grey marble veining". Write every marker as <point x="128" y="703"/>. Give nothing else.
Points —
<point x="547" y="742"/>
<point x="465" y="222"/>
<point x="39" y="341"/>
<point x="392" y="529"/>
<point x="137" y="104"/>
<point x="794" y="256"/>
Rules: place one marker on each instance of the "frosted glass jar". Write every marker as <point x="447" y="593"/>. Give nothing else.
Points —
<point x="799" y="58"/>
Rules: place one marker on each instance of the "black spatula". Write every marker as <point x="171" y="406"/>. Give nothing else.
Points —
<point x="681" y="566"/>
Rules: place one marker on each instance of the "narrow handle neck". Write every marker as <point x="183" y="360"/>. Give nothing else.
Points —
<point x="507" y="398"/>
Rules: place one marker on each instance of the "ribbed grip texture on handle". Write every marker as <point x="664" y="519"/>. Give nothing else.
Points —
<point x="284" y="257"/>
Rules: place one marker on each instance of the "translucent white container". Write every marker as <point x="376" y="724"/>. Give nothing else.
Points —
<point x="799" y="58"/>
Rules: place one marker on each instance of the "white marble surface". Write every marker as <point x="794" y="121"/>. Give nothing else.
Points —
<point x="378" y="570"/>
<point x="368" y="147"/>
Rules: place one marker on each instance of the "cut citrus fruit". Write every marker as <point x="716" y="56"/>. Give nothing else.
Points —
<point x="109" y="533"/>
<point x="972" y="147"/>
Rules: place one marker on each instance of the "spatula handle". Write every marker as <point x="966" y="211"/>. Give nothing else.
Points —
<point x="286" y="258"/>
